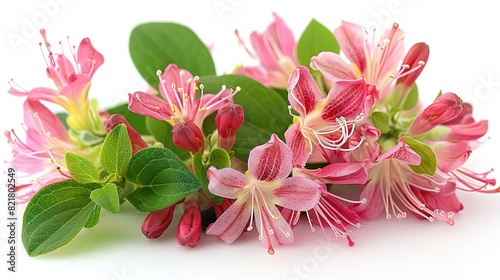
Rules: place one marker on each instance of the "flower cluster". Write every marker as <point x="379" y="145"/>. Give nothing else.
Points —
<point x="258" y="148"/>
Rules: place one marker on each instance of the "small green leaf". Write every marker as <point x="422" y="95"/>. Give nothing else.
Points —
<point x="55" y="215"/>
<point x="201" y="172"/>
<point x="107" y="197"/>
<point x="219" y="158"/>
<point x="62" y="116"/>
<point x="428" y="163"/>
<point x="116" y="151"/>
<point x="155" y="45"/>
<point x="265" y="111"/>
<point x="162" y="178"/>
<point x="81" y="169"/>
<point x="162" y="132"/>
<point x="316" y="38"/>
<point x="94" y="218"/>
<point x="381" y="121"/>
<point x="411" y="99"/>
<point x="138" y="122"/>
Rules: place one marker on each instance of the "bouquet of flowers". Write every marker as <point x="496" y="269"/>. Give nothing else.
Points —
<point x="257" y="149"/>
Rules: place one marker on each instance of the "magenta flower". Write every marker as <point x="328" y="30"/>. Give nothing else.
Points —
<point x="71" y="76"/>
<point x="258" y="194"/>
<point x="324" y="123"/>
<point x="179" y="104"/>
<point x="394" y="188"/>
<point x="275" y="49"/>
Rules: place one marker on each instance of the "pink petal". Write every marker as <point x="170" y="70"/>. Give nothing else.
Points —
<point x="64" y="70"/>
<point x="402" y="152"/>
<point x="230" y="225"/>
<point x="351" y="40"/>
<point x="393" y="53"/>
<point x="284" y="36"/>
<point x="374" y="205"/>
<point x="342" y="173"/>
<point x="38" y="93"/>
<point x="297" y="193"/>
<point x="445" y="108"/>
<point x="298" y="144"/>
<point x="76" y="90"/>
<point x="270" y="161"/>
<point x="332" y="66"/>
<point x="148" y="105"/>
<point x="348" y="98"/>
<point x="467" y="131"/>
<point x="273" y="231"/>
<point x="452" y="155"/>
<point x="303" y="92"/>
<point x="226" y="182"/>
<point x="88" y="58"/>
<point x="417" y="53"/>
<point x="257" y="73"/>
<point x="44" y="122"/>
<point x="173" y="75"/>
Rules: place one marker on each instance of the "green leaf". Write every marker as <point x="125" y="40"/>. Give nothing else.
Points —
<point x="411" y="99"/>
<point x="381" y="121"/>
<point x="162" y="178"/>
<point x="82" y="169"/>
<point x="162" y="132"/>
<point x="138" y="122"/>
<point x="201" y="172"/>
<point x="155" y="45"/>
<point x="94" y="218"/>
<point x="265" y="111"/>
<point x="55" y="215"/>
<point x="428" y="163"/>
<point x="219" y="158"/>
<point x="316" y="38"/>
<point x="107" y="197"/>
<point x="62" y="116"/>
<point x="116" y="151"/>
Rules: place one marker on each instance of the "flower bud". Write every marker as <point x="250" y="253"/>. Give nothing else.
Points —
<point x="157" y="222"/>
<point x="188" y="136"/>
<point x="445" y="108"/>
<point x="189" y="228"/>
<point x="228" y="120"/>
<point x="136" y="140"/>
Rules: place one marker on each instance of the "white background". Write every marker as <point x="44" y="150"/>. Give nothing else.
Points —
<point x="463" y="37"/>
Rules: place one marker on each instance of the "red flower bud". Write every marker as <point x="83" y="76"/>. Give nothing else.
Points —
<point x="188" y="136"/>
<point x="228" y="120"/>
<point x="157" y="222"/>
<point x="136" y="140"/>
<point x="189" y="228"/>
<point x="445" y="108"/>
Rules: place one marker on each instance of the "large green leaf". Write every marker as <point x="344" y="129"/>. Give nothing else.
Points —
<point x="316" y="38"/>
<point x="155" y="45"/>
<point x="162" y="132"/>
<point x="135" y="120"/>
<point x="162" y="178"/>
<point x="116" y="151"/>
<point x="55" y="215"/>
<point x="265" y="111"/>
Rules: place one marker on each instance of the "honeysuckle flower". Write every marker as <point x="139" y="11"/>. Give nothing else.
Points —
<point x="376" y="61"/>
<point x="157" y="222"/>
<point x="445" y="108"/>
<point x="136" y="140"/>
<point x="178" y="88"/>
<point x="413" y="64"/>
<point x="71" y="76"/>
<point x="189" y="228"/>
<point x="188" y="136"/>
<point x="275" y="49"/>
<point x="324" y="123"/>
<point x="392" y="187"/>
<point x="42" y="151"/>
<point x="228" y="120"/>
<point x="257" y="194"/>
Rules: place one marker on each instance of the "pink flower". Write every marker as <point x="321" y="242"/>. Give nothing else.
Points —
<point x="393" y="187"/>
<point x="42" y="152"/>
<point x="258" y="194"/>
<point x="179" y="104"/>
<point x="189" y="228"/>
<point x="71" y="77"/>
<point x="229" y="118"/>
<point x="275" y="49"/>
<point x="324" y="123"/>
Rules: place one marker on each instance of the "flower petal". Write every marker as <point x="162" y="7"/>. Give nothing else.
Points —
<point x="230" y="225"/>
<point x="148" y="105"/>
<point x="351" y="40"/>
<point x="341" y="173"/>
<point x="38" y="93"/>
<point x="445" y="108"/>
<point x="284" y="36"/>
<point x="303" y="92"/>
<point x="452" y="155"/>
<point x="270" y="161"/>
<point x="175" y="78"/>
<point x="226" y="182"/>
<point x="332" y="66"/>
<point x="374" y="205"/>
<point x="297" y="193"/>
<point x="348" y="98"/>
<point x="402" y="152"/>
<point x="88" y="57"/>
<point x="274" y="231"/>
<point x="298" y="144"/>
<point x="45" y="121"/>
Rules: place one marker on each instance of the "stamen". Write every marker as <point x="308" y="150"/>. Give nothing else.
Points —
<point x="164" y="87"/>
<point x="310" y="222"/>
